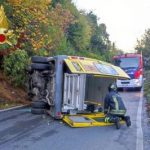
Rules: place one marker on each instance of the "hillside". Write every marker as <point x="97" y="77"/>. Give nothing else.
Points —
<point x="10" y="96"/>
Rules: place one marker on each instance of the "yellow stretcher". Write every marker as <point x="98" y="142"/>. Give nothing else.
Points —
<point x="87" y="120"/>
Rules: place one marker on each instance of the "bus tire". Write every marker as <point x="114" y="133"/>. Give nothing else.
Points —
<point x="38" y="104"/>
<point x="39" y="59"/>
<point x="36" y="66"/>
<point x="37" y="111"/>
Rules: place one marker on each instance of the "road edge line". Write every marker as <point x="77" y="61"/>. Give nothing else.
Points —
<point x="139" y="135"/>
<point x="13" y="108"/>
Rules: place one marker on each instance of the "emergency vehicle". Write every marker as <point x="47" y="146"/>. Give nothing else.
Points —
<point x="132" y="64"/>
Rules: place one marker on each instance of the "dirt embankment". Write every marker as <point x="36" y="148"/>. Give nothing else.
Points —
<point x="10" y="95"/>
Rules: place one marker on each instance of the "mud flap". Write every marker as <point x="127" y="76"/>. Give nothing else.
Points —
<point x="87" y="120"/>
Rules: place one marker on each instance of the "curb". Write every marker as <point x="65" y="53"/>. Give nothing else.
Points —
<point x="14" y="108"/>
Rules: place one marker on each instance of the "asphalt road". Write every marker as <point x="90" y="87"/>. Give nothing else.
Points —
<point x="20" y="130"/>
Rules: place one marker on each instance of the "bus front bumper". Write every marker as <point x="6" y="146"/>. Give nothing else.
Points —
<point x="133" y="83"/>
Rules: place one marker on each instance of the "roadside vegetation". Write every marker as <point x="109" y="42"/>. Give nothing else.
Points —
<point x="143" y="46"/>
<point x="147" y="90"/>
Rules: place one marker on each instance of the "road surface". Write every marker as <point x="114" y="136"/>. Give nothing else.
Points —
<point x="20" y="130"/>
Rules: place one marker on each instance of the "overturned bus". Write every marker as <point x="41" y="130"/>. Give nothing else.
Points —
<point x="69" y="84"/>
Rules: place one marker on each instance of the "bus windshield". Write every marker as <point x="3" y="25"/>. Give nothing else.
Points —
<point x="132" y="62"/>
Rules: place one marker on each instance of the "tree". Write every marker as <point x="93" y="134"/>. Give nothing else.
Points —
<point x="100" y="42"/>
<point x="143" y="45"/>
<point x="15" y="66"/>
<point x="49" y="27"/>
<point x="79" y="33"/>
<point x="39" y="27"/>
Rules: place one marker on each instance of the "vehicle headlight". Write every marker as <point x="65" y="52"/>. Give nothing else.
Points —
<point x="137" y="82"/>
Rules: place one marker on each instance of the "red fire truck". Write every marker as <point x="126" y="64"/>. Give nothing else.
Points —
<point x="132" y="64"/>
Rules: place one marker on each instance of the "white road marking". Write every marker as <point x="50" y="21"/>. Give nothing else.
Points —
<point x="139" y="139"/>
<point x="13" y="108"/>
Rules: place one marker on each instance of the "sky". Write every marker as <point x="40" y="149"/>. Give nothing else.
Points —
<point x="126" y="20"/>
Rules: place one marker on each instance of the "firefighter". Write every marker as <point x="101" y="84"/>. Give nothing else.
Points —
<point x="114" y="107"/>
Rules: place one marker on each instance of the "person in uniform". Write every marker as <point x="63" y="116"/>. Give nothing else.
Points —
<point x="114" y="107"/>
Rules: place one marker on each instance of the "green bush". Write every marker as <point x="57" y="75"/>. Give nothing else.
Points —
<point x="15" y="65"/>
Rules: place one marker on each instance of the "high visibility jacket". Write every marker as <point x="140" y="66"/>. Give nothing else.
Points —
<point x="113" y="104"/>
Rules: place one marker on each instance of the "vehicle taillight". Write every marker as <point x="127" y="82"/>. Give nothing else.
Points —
<point x="138" y="73"/>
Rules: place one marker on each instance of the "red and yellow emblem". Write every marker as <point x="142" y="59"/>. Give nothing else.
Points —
<point x="5" y="34"/>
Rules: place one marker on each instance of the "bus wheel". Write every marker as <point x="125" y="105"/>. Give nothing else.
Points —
<point x="36" y="66"/>
<point x="37" y="111"/>
<point x="38" y="104"/>
<point x="39" y="59"/>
